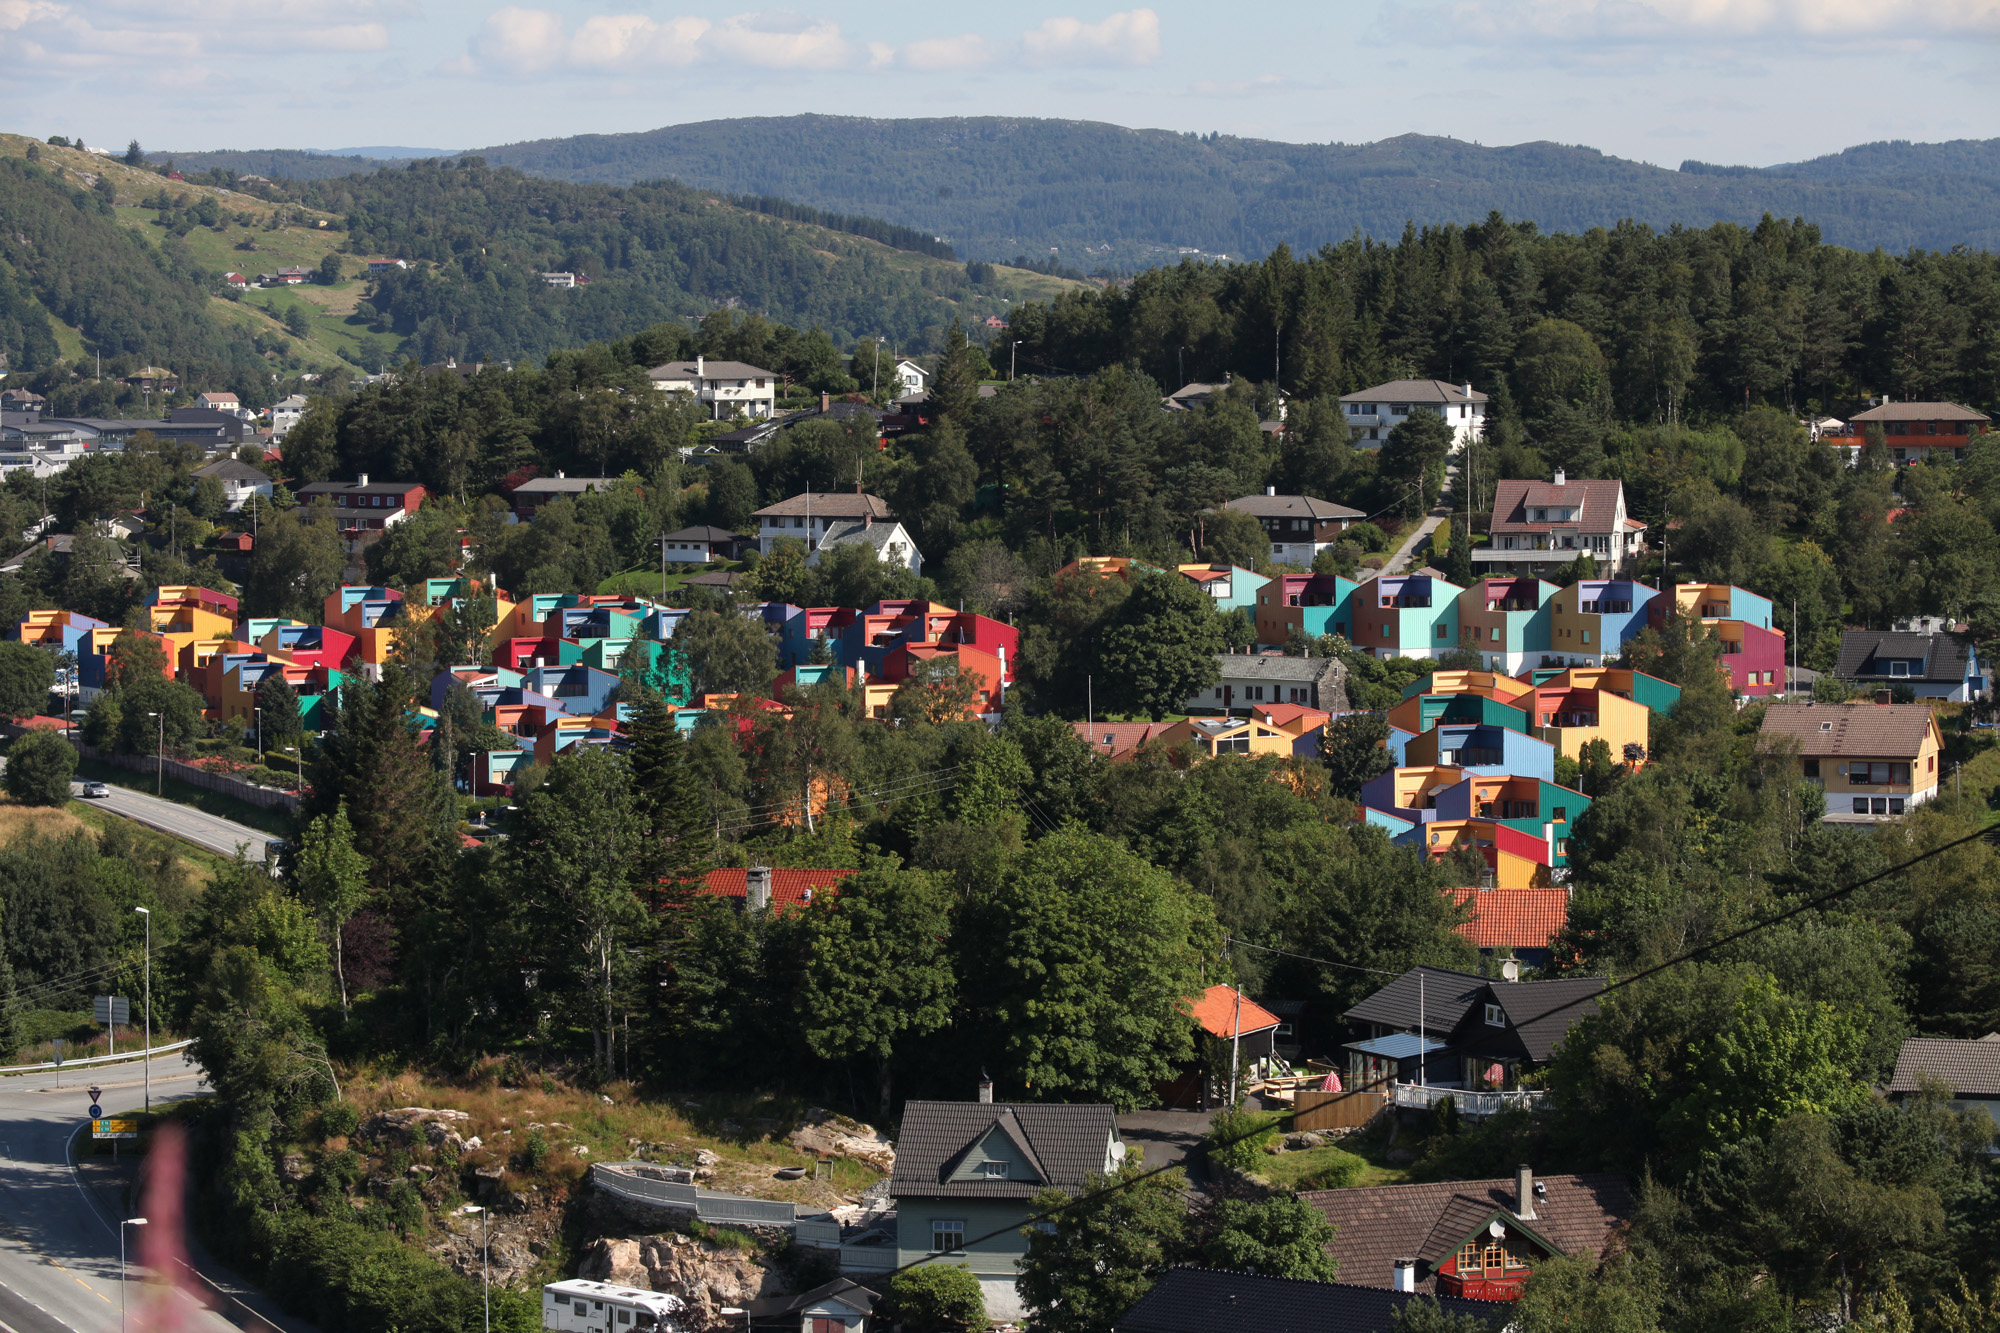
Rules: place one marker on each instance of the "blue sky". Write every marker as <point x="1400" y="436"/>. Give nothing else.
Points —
<point x="1734" y="81"/>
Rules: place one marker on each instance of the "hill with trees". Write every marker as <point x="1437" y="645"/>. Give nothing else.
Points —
<point x="1105" y="196"/>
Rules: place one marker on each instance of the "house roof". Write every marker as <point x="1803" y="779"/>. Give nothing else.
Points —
<point x="1067" y="1142"/>
<point x="1943" y="656"/>
<point x="1291" y="506"/>
<point x="1376" y="1226"/>
<point x="1513" y="918"/>
<point x="1116" y="738"/>
<point x="701" y="533"/>
<point x="563" y="485"/>
<point x="1541" y="1013"/>
<point x="1919" y="412"/>
<point x="711" y="370"/>
<point x="1416" y="392"/>
<point x="844" y="1291"/>
<point x="828" y="504"/>
<point x="1204" y="1300"/>
<point x="1830" y="731"/>
<point x="1596" y="503"/>
<point x="356" y="488"/>
<point x="1969" y="1068"/>
<point x="1272" y="666"/>
<point x="1443" y="999"/>
<point x="232" y="469"/>
<point x="1218" y="1014"/>
<point x="857" y="533"/>
<point x="788" y="887"/>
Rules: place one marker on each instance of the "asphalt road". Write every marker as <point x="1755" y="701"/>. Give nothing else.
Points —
<point x="211" y="832"/>
<point x="58" y="1227"/>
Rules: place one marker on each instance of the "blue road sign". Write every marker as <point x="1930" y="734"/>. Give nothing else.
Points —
<point x="96" y="1111"/>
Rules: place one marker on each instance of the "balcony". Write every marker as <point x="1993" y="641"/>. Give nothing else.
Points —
<point x="1475" y="1105"/>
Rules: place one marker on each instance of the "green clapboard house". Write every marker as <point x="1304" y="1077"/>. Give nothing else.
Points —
<point x="967" y="1172"/>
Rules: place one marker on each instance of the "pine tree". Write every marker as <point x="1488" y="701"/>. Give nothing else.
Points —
<point x="666" y="793"/>
<point x="955" y="387"/>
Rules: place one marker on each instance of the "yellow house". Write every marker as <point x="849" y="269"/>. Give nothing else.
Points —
<point x="1228" y="735"/>
<point x="1514" y="860"/>
<point x="1570" y="719"/>
<point x="1492" y="684"/>
<point x="1873" y="760"/>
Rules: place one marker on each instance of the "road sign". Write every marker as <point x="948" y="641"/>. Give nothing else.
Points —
<point x="111" y="1010"/>
<point x="58" y="1044"/>
<point x="96" y="1093"/>
<point x="95" y="1110"/>
<point x="114" y="1129"/>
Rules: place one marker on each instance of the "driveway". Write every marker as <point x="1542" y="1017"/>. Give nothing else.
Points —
<point x="1170" y="1138"/>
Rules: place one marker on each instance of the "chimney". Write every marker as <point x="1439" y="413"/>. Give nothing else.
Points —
<point x="1270" y="490"/>
<point x="1404" y="1277"/>
<point x="363" y="481"/>
<point x="560" y="474"/>
<point x="1560" y="479"/>
<point x="1468" y="388"/>
<point x="826" y="402"/>
<point x="1524" y="1192"/>
<point x="757" y="888"/>
<point x="985" y="1088"/>
<point x="1884" y="697"/>
<point x="700" y="368"/>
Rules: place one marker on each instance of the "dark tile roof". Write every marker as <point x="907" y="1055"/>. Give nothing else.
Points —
<point x="1541" y="1012"/>
<point x="1443" y="998"/>
<point x="1207" y="1300"/>
<point x="1375" y="1227"/>
<point x="828" y="504"/>
<point x="1943" y="655"/>
<point x="356" y="488"/>
<point x="1919" y="412"/>
<point x="1291" y="506"/>
<point x="844" y="1290"/>
<point x="1860" y="730"/>
<point x="1424" y="392"/>
<point x="702" y="533"/>
<point x="1067" y="1142"/>
<point x="1969" y="1068"/>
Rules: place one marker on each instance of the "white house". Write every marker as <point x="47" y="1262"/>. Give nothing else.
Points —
<point x="725" y="388"/>
<point x="286" y="414"/>
<point x="1373" y="413"/>
<point x="698" y="545"/>
<point x="891" y="544"/>
<point x="911" y="379"/>
<point x="377" y="267"/>
<point x="1538" y="526"/>
<point x="1299" y="526"/>
<point x="220" y="402"/>
<point x="559" y="279"/>
<point x="239" y="480"/>
<point x="808" y="517"/>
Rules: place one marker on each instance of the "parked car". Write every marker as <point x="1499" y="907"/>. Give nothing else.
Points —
<point x="96" y="789"/>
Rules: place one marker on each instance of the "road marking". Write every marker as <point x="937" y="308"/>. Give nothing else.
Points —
<point x="69" y="1160"/>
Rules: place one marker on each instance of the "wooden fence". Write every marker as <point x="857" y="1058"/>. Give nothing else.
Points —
<point x="1313" y="1109"/>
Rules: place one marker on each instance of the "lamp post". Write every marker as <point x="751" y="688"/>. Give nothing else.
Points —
<point x="147" y="1063"/>
<point x="128" y="1222"/>
<point x="1011" y="354"/>
<point x="299" y="760"/>
<point x="258" y="710"/>
<point x="485" y="1269"/>
<point x="160" y="756"/>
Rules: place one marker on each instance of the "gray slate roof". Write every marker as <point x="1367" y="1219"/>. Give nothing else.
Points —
<point x="1919" y="412"/>
<point x="1426" y="393"/>
<point x="876" y="535"/>
<point x="1443" y="997"/>
<point x="563" y="485"/>
<point x="1291" y="506"/>
<point x="1263" y="666"/>
<point x="702" y="533"/>
<point x="1943" y="655"/>
<point x="233" y="469"/>
<point x="1067" y="1142"/>
<point x="1542" y="1012"/>
<point x="1970" y="1068"/>
<point x="1208" y="1300"/>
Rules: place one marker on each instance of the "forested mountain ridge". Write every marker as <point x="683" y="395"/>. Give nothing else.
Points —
<point x="105" y="256"/>
<point x="1107" y="196"/>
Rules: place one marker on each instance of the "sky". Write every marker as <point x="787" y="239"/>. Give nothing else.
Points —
<point x="1730" y="81"/>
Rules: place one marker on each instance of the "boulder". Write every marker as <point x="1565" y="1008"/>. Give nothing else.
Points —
<point x="614" y="1261"/>
<point x="825" y="1134"/>
<point x="405" y="1121"/>
<point x="295" y="1168"/>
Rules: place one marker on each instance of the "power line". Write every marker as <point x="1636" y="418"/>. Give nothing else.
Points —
<point x="1323" y="962"/>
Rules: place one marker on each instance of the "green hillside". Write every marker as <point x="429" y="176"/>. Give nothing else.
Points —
<point x="114" y="259"/>
<point x="1107" y="196"/>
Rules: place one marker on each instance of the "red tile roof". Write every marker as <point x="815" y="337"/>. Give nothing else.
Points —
<point x="1217" y="1007"/>
<point x="1119" y="739"/>
<point x="1513" y="918"/>
<point x="788" y="887"/>
<point x="1596" y="503"/>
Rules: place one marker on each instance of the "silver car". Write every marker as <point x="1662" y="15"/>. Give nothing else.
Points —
<point x="96" y="789"/>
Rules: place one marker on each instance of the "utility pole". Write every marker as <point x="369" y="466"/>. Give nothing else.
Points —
<point x="1012" y="352"/>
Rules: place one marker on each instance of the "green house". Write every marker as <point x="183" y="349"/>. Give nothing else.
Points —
<point x="967" y="1173"/>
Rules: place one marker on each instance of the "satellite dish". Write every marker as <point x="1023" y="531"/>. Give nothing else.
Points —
<point x="1496" y="1229"/>
<point x="1117" y="1152"/>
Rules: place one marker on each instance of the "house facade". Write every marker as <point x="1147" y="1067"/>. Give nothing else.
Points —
<point x="724" y="388"/>
<point x="1406" y="615"/>
<point x="1593" y="619"/>
<point x="239" y="481"/>
<point x="1232" y="587"/>
<point x="1373" y="413"/>
<point x="1506" y="621"/>
<point x="1753" y="653"/>
<point x="1540" y="527"/>
<point x="1246" y="679"/>
<point x="1969" y="1069"/>
<point x="699" y="545"/>
<point x="1299" y="526"/>
<point x="809" y="517"/>
<point x="888" y="539"/>
<point x="1308" y="604"/>
<point x="966" y="1175"/>
<point x="364" y="509"/>
<point x="1913" y="432"/>
<point x="1874" y="761"/>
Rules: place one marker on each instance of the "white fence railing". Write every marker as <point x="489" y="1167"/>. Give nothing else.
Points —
<point x="808" y="1227"/>
<point x="95" y="1059"/>
<point x="1477" y="1105"/>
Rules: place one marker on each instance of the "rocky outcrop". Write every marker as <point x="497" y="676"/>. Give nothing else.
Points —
<point x="708" y="1277"/>
<point x="406" y="1123"/>
<point x="825" y="1134"/>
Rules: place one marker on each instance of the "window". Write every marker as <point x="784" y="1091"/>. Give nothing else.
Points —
<point x="1496" y="634"/>
<point x="1899" y="668"/>
<point x="1494" y="1018"/>
<point x="1861" y="805"/>
<point x="1515" y="1261"/>
<point x="947" y="1235"/>
<point x="1468" y="1258"/>
<point x="1494" y="1258"/>
<point x="993" y="1170"/>
<point x="1385" y="631"/>
<point x="1586" y="636"/>
<point x="1881" y="805"/>
<point x="1811" y="768"/>
<point x="624" y="1316"/>
<point x="1895" y="805"/>
<point x="1440" y="631"/>
<point x="1562" y="814"/>
<point x="562" y="1298"/>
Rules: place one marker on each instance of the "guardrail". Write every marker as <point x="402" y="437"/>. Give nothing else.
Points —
<point x="808" y="1227"/>
<point x="96" y="1059"/>
<point x="1477" y="1105"/>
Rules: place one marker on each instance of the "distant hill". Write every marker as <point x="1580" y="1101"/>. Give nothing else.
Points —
<point x="385" y="152"/>
<point x="1106" y="196"/>
<point x="299" y="164"/>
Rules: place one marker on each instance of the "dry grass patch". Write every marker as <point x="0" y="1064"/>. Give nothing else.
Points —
<point x="49" y="820"/>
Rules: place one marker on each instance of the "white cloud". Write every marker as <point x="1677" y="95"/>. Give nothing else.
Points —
<point x="1685" y="21"/>
<point x="1130" y="38"/>
<point x="969" y="51"/>
<point x="45" y="36"/>
<point x="535" y="41"/>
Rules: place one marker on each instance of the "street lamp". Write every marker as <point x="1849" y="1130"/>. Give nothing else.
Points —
<point x="298" y="759"/>
<point x="485" y="1262"/>
<point x="160" y="756"/>
<point x="128" y="1222"/>
<point x="147" y="1063"/>
<point x="258" y="709"/>
<point x="1010" y="359"/>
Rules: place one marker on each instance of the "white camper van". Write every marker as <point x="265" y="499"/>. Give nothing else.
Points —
<point x="577" y="1306"/>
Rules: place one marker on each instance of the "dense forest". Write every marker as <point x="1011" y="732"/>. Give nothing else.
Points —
<point x="1123" y="199"/>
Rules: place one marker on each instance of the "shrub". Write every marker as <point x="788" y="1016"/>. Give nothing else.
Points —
<point x="339" y="1119"/>
<point x="936" y="1298"/>
<point x="1245" y="1153"/>
<point x="537" y="1151"/>
<point x="39" y="766"/>
<point x="1340" y="1171"/>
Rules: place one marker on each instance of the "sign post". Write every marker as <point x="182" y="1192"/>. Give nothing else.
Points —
<point x="113" y="1011"/>
<point x="58" y="1044"/>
